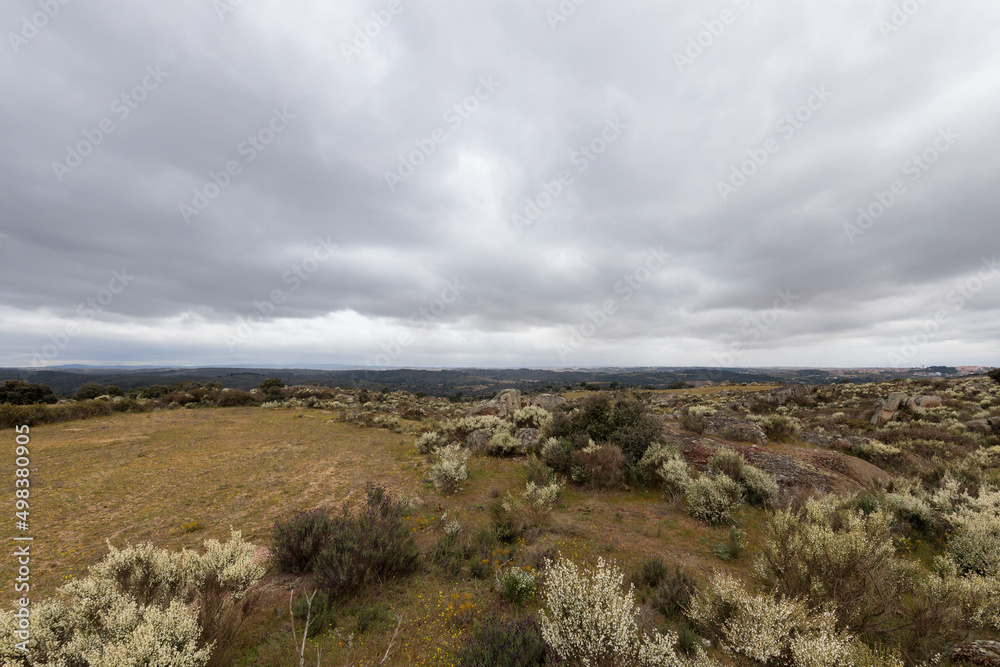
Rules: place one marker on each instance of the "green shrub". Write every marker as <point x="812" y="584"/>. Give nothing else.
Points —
<point x="626" y="422"/>
<point x="296" y="543"/>
<point x="371" y="617"/>
<point x="322" y="616"/>
<point x="651" y="572"/>
<point x="516" y="585"/>
<point x="713" y="500"/>
<point x="372" y="546"/>
<point x="726" y="460"/>
<point x="695" y="418"/>
<point x="496" y="642"/>
<point x="673" y="595"/>
<point x="429" y="441"/>
<point x="558" y="455"/>
<point x="759" y="488"/>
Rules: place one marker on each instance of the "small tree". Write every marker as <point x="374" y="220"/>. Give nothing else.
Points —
<point x="994" y="374"/>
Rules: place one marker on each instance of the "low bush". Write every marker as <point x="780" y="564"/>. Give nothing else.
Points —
<point x="496" y="642"/>
<point x="373" y="545"/>
<point x="673" y="595"/>
<point x="429" y="441"/>
<point x="557" y="453"/>
<point x="588" y="619"/>
<point x="713" y="501"/>
<point x="599" y="467"/>
<point x="450" y="468"/>
<point x="758" y="487"/>
<point x="695" y="418"/>
<point x="321" y="613"/>
<point x="531" y="416"/>
<point x="758" y="629"/>
<point x="516" y="585"/>
<point x="296" y="543"/>
<point x="142" y="606"/>
<point x="503" y="443"/>
<point x="651" y="572"/>
<point x="826" y="553"/>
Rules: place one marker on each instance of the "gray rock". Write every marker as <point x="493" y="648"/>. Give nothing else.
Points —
<point x="924" y="402"/>
<point x="982" y="653"/>
<point x="547" y="402"/>
<point x="503" y="405"/>
<point x="894" y="401"/>
<point x="735" y="429"/>
<point x="784" y="394"/>
<point x="528" y="437"/>
<point x="478" y="441"/>
<point x="980" y="426"/>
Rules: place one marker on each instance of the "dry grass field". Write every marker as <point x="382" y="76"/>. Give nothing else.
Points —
<point x="178" y="477"/>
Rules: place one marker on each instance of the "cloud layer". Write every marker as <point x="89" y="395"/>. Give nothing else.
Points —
<point x="499" y="184"/>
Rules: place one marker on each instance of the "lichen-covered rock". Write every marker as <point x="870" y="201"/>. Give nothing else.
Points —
<point x="548" y="402"/>
<point x="735" y="429"/>
<point x="478" y="441"/>
<point x="981" y="653"/>
<point x="503" y="405"/>
<point x="528" y="437"/>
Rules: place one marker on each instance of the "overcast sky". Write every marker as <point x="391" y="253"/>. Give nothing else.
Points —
<point x="500" y="183"/>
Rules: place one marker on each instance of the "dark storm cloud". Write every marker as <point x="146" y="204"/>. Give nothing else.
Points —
<point x="269" y="169"/>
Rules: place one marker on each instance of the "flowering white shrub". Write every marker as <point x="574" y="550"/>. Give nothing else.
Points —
<point x="503" y="444"/>
<point x="759" y="487"/>
<point x="137" y="606"/>
<point x="674" y="473"/>
<point x="874" y="449"/>
<point x="975" y="545"/>
<point x="829" y="554"/>
<point x="450" y="468"/>
<point x="453" y="528"/>
<point x="542" y="498"/>
<point x="532" y="416"/>
<point x="589" y="620"/>
<point x="656" y="455"/>
<point x="429" y="441"/>
<point x="458" y="429"/>
<point x="713" y="500"/>
<point x="765" y="630"/>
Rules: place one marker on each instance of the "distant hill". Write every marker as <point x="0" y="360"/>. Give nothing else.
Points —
<point x="470" y="382"/>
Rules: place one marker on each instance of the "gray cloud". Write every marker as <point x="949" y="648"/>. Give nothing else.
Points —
<point x="687" y="116"/>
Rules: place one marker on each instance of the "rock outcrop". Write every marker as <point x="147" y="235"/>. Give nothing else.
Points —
<point x="528" y="437"/>
<point x="888" y="408"/>
<point x="981" y="653"/>
<point x="735" y="429"/>
<point x="783" y="395"/>
<point x="989" y="426"/>
<point x="548" y="402"/>
<point x="503" y="405"/>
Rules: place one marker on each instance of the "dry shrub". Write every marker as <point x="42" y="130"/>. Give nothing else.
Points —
<point x="600" y="467"/>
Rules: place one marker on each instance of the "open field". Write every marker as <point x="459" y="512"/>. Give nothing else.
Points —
<point x="132" y="478"/>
